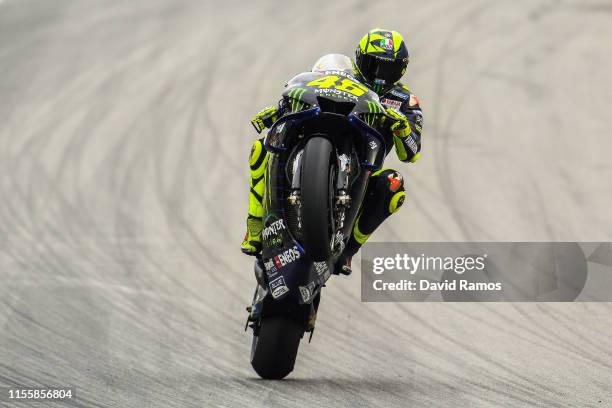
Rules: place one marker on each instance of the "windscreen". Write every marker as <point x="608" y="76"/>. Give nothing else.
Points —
<point x="332" y="62"/>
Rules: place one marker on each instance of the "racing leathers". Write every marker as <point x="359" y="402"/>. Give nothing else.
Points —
<point x="385" y="191"/>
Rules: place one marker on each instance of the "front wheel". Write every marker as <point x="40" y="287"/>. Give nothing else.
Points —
<point x="275" y="348"/>
<point x="316" y="185"/>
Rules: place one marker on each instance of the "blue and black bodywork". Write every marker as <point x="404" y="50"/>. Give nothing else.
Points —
<point x="289" y="281"/>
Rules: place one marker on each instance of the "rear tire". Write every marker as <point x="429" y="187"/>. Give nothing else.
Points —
<point x="275" y="348"/>
<point x="316" y="200"/>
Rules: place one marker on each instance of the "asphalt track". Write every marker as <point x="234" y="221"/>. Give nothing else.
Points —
<point x="124" y="134"/>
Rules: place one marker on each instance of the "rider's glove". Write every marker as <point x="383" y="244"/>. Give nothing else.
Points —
<point x="265" y="118"/>
<point x="401" y="126"/>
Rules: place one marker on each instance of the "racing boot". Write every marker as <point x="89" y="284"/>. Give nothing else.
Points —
<point x="343" y="265"/>
<point x="358" y="238"/>
<point x="251" y="244"/>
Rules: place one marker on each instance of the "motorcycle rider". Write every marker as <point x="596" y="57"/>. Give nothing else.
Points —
<point x="380" y="61"/>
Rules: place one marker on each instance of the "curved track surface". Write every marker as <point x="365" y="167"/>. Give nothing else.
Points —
<point x="124" y="135"/>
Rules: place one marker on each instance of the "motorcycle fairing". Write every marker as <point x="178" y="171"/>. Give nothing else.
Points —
<point x="337" y="85"/>
<point x="288" y="271"/>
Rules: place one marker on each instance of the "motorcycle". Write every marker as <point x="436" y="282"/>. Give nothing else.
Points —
<point x="321" y="156"/>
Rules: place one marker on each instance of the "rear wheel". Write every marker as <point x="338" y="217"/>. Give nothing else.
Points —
<point x="275" y="348"/>
<point x="317" y="192"/>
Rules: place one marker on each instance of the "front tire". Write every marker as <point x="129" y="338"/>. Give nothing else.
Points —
<point x="275" y="348"/>
<point x="316" y="198"/>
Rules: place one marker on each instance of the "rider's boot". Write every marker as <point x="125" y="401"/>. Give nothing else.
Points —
<point x="251" y="244"/>
<point x="358" y="238"/>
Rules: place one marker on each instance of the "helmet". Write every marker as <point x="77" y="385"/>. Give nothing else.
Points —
<point x="381" y="58"/>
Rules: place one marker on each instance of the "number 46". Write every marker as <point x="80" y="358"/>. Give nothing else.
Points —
<point x="347" y="85"/>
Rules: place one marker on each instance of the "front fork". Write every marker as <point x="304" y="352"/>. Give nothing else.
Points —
<point x="341" y="200"/>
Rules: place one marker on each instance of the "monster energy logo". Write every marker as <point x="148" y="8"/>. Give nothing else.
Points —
<point x="374" y="109"/>
<point x="296" y="99"/>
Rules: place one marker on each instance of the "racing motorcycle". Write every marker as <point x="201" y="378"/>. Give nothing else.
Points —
<point x="321" y="157"/>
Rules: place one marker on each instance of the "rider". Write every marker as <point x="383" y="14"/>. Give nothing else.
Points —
<point x="381" y="59"/>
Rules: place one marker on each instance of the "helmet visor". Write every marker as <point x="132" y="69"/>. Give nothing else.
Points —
<point x="373" y="68"/>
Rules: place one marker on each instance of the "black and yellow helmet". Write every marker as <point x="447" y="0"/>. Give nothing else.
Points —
<point x="381" y="58"/>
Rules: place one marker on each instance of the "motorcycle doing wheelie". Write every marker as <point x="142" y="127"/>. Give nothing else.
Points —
<point x="321" y="156"/>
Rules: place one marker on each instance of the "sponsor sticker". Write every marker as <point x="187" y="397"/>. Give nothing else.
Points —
<point x="412" y="145"/>
<point x="395" y="181"/>
<point x="325" y="275"/>
<point x="278" y="287"/>
<point x="307" y="292"/>
<point x="287" y="257"/>
<point x="386" y="43"/>
<point x="274" y="241"/>
<point x="336" y="93"/>
<point x="337" y="241"/>
<point x="273" y="229"/>
<point x="373" y="145"/>
<point x="419" y="118"/>
<point x="391" y="103"/>
<point x="399" y="94"/>
<point x="339" y="73"/>
<point x="270" y="267"/>
<point x="321" y="267"/>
